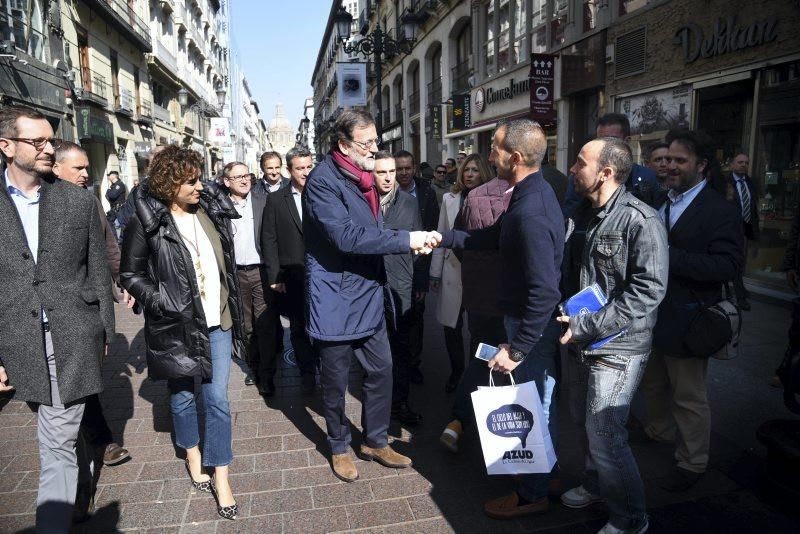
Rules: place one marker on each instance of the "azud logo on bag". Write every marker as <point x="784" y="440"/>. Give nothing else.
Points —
<point x="512" y="421"/>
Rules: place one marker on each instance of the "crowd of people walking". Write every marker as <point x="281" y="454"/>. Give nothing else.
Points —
<point x="348" y="248"/>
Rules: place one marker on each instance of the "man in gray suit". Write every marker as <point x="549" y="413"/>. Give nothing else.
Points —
<point x="56" y="292"/>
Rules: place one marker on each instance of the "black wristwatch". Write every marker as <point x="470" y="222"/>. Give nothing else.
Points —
<point x="515" y="355"/>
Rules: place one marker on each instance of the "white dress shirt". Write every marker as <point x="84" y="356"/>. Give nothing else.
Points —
<point x="297" y="197"/>
<point x="244" y="237"/>
<point x="680" y="201"/>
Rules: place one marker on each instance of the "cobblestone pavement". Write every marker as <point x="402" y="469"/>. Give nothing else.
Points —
<point x="283" y="482"/>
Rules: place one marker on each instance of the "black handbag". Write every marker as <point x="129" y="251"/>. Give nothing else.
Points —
<point x="713" y="328"/>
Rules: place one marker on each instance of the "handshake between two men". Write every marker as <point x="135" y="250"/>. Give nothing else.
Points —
<point x="424" y="242"/>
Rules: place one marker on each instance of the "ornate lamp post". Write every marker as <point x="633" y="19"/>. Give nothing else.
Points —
<point x="204" y="109"/>
<point x="379" y="45"/>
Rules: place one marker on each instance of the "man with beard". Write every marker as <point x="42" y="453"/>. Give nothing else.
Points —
<point x="704" y="233"/>
<point x="56" y="294"/>
<point x="272" y="180"/>
<point x="345" y="242"/>
<point x="283" y="252"/>
<point x="429" y="212"/>
<point x="405" y="276"/>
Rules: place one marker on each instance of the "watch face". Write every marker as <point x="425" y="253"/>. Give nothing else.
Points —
<point x="516" y="355"/>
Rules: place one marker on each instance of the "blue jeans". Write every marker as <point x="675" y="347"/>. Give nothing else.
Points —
<point x="601" y="389"/>
<point x="217" y="447"/>
<point x="539" y="366"/>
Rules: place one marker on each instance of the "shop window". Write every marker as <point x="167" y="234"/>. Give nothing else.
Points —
<point x="504" y="21"/>
<point x="558" y="22"/>
<point x="539" y="39"/>
<point x="489" y="38"/>
<point x="520" y="51"/>
<point x="590" y="11"/>
<point x="629" y="6"/>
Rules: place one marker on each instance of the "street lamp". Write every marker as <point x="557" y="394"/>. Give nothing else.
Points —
<point x="378" y="44"/>
<point x="203" y="108"/>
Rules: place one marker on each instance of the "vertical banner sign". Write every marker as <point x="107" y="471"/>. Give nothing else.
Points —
<point x="219" y="131"/>
<point x="542" y="77"/>
<point x="436" y="121"/>
<point x="462" y="118"/>
<point x="351" y="84"/>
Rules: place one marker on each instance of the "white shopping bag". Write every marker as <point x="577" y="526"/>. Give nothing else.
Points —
<point x="511" y="424"/>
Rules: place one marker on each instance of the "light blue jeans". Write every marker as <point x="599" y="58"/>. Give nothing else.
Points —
<point x="217" y="447"/>
<point x="601" y="389"/>
<point x="539" y="366"/>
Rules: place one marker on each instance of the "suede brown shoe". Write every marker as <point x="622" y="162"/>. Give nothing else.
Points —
<point x="385" y="456"/>
<point x="507" y="507"/>
<point x="344" y="468"/>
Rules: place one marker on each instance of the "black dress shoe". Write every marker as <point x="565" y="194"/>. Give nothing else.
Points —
<point x="403" y="413"/>
<point x="250" y="380"/>
<point x="267" y="387"/>
<point x="680" y="480"/>
<point x="415" y="375"/>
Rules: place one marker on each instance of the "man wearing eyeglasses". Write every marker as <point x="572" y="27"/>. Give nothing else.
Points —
<point x="56" y="300"/>
<point x="258" y="306"/>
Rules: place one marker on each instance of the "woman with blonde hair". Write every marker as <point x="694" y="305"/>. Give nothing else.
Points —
<point x="445" y="270"/>
<point x="178" y="262"/>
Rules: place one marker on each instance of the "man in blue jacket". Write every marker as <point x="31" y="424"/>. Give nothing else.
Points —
<point x="345" y="277"/>
<point x="530" y="237"/>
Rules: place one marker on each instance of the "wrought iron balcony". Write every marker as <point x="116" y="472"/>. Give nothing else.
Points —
<point x="123" y="18"/>
<point x="413" y="103"/>
<point x="124" y="102"/>
<point x="459" y="78"/>
<point x="90" y="87"/>
<point x="435" y="92"/>
<point x="144" y="111"/>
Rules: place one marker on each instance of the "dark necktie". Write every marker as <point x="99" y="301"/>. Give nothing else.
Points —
<point x="744" y="194"/>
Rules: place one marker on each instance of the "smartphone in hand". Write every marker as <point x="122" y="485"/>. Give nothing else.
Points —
<point x="486" y="352"/>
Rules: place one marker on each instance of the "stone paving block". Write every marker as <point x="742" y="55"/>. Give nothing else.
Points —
<point x="316" y="521"/>
<point x="135" y="516"/>
<point x="140" y="492"/>
<point x="245" y="431"/>
<point x="19" y="522"/>
<point x="266" y="524"/>
<point x="294" y="442"/>
<point x="17" y="502"/>
<point x="10" y="433"/>
<point x="244" y="447"/>
<point x="281" y="460"/>
<point x="242" y="465"/>
<point x="277" y="428"/>
<point x="279" y="501"/>
<point x="139" y="439"/>
<point x="405" y="484"/>
<point x="16" y="419"/>
<point x="176" y="489"/>
<point x="163" y="470"/>
<point x="428" y="526"/>
<point x="22" y="463"/>
<point x="379" y="513"/>
<point x="256" y="482"/>
<point x="424" y="506"/>
<point x="9" y="483"/>
<point x="209" y="527"/>
<point x="127" y="472"/>
<point x="310" y="476"/>
<point x="341" y="493"/>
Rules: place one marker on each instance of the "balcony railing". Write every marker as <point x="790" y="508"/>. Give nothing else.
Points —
<point x="123" y="17"/>
<point x="398" y="112"/>
<point x="90" y="86"/>
<point x="162" y="114"/>
<point x="435" y="92"/>
<point x="144" y="111"/>
<point x="125" y="103"/>
<point x="24" y="36"/>
<point x="413" y="103"/>
<point x="459" y="79"/>
<point x="166" y="56"/>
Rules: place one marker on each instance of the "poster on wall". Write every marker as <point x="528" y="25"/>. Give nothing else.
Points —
<point x="219" y="131"/>
<point x="658" y="111"/>
<point x="351" y="84"/>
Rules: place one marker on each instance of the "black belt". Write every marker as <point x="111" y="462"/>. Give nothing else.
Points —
<point x="46" y="327"/>
<point x="248" y="267"/>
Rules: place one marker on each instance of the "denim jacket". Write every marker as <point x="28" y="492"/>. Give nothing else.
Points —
<point x="626" y="254"/>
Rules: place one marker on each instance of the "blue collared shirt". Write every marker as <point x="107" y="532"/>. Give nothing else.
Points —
<point x="28" y="210"/>
<point x="413" y="190"/>
<point x="680" y="201"/>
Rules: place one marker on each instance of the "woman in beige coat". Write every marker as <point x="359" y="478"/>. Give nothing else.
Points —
<point x="445" y="270"/>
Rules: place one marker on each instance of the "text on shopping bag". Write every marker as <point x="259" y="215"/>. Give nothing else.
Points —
<point x="511" y="421"/>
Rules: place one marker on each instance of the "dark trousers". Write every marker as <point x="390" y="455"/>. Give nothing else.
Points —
<point x="400" y="342"/>
<point x="374" y="355"/>
<point x="304" y="352"/>
<point x="260" y="316"/>
<point x="93" y="425"/>
<point x="416" y="331"/>
<point x="738" y="283"/>
<point x="482" y="329"/>
<point x="454" y="342"/>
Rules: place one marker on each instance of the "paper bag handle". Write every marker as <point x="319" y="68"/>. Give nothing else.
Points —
<point x="491" y="379"/>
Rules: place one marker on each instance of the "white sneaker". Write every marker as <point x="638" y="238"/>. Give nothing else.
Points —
<point x="579" y="498"/>
<point x="611" y="529"/>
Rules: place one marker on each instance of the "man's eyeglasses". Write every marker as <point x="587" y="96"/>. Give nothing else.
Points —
<point x="39" y="143"/>
<point x="242" y="178"/>
<point x="368" y="144"/>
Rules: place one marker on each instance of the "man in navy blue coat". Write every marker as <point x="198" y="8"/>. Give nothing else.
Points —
<point x="642" y="182"/>
<point x="530" y="237"/>
<point x="345" y="277"/>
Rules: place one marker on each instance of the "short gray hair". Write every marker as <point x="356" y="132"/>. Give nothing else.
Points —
<point x="65" y="148"/>
<point x="296" y="152"/>
<point x="526" y="137"/>
<point x="616" y="154"/>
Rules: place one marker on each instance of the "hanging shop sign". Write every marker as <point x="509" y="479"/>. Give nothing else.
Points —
<point x="726" y="36"/>
<point x="436" y="121"/>
<point x="658" y="111"/>
<point x="542" y="76"/>
<point x="94" y="128"/>
<point x="462" y="113"/>
<point x="351" y="84"/>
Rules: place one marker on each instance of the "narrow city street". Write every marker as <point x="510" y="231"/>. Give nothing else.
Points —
<point x="283" y="482"/>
